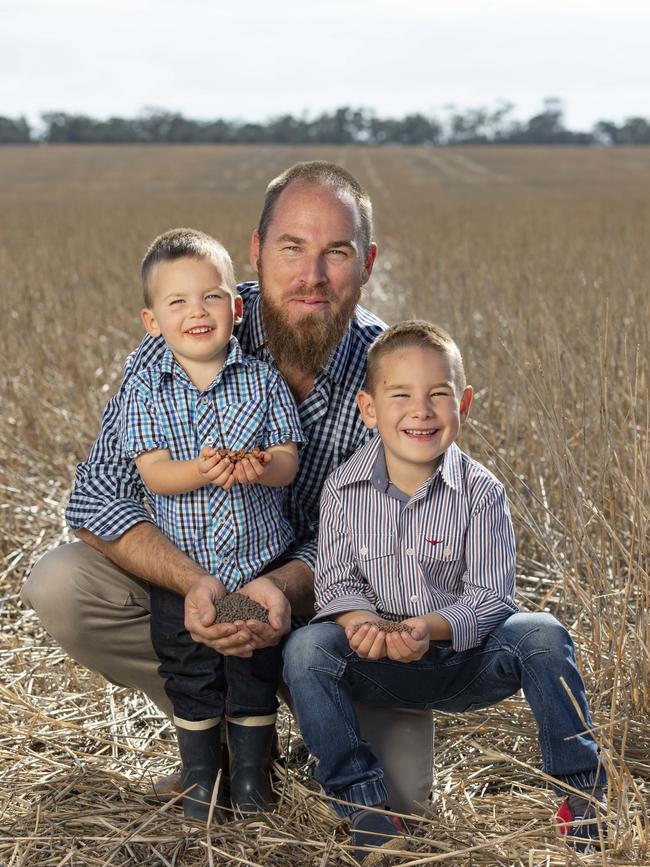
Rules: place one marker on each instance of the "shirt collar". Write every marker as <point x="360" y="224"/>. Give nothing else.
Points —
<point x="169" y="367"/>
<point x="369" y="461"/>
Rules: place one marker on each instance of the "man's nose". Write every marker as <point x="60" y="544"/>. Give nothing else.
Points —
<point x="313" y="272"/>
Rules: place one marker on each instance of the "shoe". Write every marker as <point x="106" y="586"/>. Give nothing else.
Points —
<point x="166" y="788"/>
<point x="576" y="810"/>
<point x="250" y="767"/>
<point x="381" y="830"/>
<point x="201" y="756"/>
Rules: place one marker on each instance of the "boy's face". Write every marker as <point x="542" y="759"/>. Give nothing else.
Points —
<point x="191" y="310"/>
<point x="416" y="408"/>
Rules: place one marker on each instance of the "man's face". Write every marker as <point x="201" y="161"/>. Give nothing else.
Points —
<point x="311" y="269"/>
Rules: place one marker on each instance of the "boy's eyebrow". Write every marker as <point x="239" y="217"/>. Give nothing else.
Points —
<point x="391" y="386"/>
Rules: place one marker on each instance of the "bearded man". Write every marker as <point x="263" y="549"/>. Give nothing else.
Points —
<point x="313" y="252"/>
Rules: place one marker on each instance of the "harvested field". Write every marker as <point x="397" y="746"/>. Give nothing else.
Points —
<point x="538" y="262"/>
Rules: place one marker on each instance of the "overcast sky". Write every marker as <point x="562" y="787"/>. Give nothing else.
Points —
<point x="251" y="59"/>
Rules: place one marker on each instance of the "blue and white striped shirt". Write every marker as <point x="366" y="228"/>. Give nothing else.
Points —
<point x="108" y="496"/>
<point x="449" y="549"/>
<point x="233" y="534"/>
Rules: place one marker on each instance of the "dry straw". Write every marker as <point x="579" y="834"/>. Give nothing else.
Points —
<point x="538" y="263"/>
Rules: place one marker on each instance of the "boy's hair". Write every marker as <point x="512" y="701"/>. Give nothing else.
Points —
<point x="187" y="243"/>
<point x="319" y="174"/>
<point x="419" y="333"/>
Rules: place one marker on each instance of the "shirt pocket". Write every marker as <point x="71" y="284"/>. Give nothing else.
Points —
<point x="443" y="559"/>
<point x="243" y="425"/>
<point x="375" y="553"/>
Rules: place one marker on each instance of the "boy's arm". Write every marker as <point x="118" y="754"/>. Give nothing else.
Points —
<point x="276" y="469"/>
<point x="168" y="477"/>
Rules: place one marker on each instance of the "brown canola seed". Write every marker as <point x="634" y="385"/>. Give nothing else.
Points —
<point x="236" y="606"/>
<point x="385" y="625"/>
<point x="234" y="456"/>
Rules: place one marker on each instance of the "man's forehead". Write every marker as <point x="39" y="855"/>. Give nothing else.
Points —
<point x="300" y="197"/>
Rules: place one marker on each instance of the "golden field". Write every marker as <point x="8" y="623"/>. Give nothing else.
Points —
<point x="538" y="262"/>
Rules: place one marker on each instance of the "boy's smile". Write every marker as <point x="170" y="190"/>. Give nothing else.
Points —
<point x="417" y="411"/>
<point x="193" y="310"/>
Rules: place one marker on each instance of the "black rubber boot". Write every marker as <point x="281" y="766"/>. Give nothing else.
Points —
<point x="201" y="756"/>
<point x="250" y="767"/>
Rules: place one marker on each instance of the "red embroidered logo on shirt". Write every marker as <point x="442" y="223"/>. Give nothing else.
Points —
<point x="435" y="541"/>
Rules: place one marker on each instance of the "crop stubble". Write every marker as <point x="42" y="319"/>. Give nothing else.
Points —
<point x="538" y="262"/>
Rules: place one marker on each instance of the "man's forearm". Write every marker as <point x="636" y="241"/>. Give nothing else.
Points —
<point x="296" y="580"/>
<point x="144" y="551"/>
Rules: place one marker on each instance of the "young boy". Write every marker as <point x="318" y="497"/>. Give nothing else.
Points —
<point x="203" y="397"/>
<point x="414" y="595"/>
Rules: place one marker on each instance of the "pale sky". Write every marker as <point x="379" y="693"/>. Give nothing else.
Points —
<point x="257" y="58"/>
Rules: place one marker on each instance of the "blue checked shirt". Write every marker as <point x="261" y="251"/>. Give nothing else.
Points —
<point x="233" y="534"/>
<point x="448" y="549"/>
<point x="108" y="496"/>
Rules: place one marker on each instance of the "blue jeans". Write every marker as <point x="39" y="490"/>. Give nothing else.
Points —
<point x="528" y="651"/>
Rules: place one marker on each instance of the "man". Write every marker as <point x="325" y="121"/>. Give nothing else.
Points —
<point x="312" y="252"/>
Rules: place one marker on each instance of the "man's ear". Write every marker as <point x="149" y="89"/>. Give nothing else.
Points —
<point x="368" y="264"/>
<point x="366" y="406"/>
<point x="238" y="309"/>
<point x="254" y="254"/>
<point x="149" y="322"/>
<point x="465" y="403"/>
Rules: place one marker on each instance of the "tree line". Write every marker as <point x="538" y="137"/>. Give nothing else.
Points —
<point x="343" y="126"/>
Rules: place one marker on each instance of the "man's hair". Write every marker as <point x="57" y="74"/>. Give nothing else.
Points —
<point x="186" y="243"/>
<point x="319" y="173"/>
<point x="421" y="334"/>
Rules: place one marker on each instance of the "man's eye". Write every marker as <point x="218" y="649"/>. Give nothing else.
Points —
<point x="291" y="248"/>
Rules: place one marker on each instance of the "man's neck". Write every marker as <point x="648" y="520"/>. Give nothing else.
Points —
<point x="300" y="382"/>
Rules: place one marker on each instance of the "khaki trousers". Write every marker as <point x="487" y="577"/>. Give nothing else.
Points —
<point x="100" y="615"/>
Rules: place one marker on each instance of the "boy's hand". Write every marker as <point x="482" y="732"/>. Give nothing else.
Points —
<point x="409" y="646"/>
<point x="366" y="640"/>
<point x="249" y="471"/>
<point x="214" y="469"/>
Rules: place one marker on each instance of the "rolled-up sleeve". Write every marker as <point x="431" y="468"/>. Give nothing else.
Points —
<point x="487" y="598"/>
<point x="339" y="586"/>
<point x="108" y="496"/>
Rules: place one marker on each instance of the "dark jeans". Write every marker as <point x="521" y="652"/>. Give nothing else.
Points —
<point x="202" y="683"/>
<point x="533" y="652"/>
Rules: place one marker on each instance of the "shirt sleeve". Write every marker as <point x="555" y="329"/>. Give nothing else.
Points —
<point x="108" y="496"/>
<point x="282" y="423"/>
<point x="139" y="428"/>
<point x="487" y="598"/>
<point x="338" y="583"/>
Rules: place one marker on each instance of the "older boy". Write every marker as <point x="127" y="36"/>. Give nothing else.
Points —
<point x="204" y="396"/>
<point x="415" y="580"/>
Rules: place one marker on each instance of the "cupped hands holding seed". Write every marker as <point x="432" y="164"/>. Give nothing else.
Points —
<point x="372" y="637"/>
<point x="224" y="467"/>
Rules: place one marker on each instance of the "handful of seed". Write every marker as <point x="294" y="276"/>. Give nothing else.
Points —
<point x="235" y="456"/>
<point x="236" y="606"/>
<point x="384" y="626"/>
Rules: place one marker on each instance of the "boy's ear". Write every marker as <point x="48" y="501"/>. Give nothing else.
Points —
<point x="465" y="402"/>
<point x="149" y="322"/>
<point x="238" y="309"/>
<point x="366" y="406"/>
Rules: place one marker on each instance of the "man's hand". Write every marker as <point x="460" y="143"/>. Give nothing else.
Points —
<point x="268" y="594"/>
<point x="409" y="646"/>
<point x="227" y="638"/>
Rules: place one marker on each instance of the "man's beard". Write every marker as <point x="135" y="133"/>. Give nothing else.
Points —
<point x="308" y="344"/>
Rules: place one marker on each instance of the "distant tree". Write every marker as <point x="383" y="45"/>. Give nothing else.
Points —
<point x="14" y="131"/>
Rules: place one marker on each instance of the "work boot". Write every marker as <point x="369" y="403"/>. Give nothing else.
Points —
<point x="200" y="751"/>
<point x="249" y="746"/>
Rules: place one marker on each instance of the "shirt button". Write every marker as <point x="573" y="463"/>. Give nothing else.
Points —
<point x="447" y="552"/>
<point x="410" y="551"/>
<point x="415" y="599"/>
<point x="363" y="552"/>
